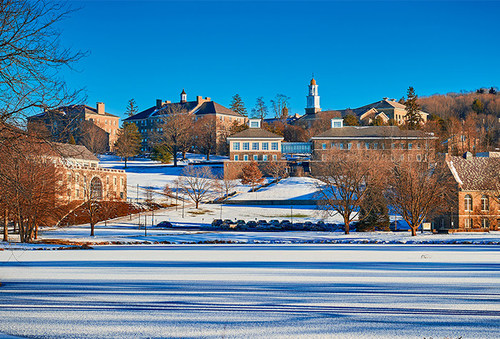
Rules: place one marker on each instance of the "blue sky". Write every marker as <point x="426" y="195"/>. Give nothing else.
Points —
<point x="358" y="51"/>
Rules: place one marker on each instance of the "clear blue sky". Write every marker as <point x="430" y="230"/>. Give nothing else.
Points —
<point x="358" y="51"/>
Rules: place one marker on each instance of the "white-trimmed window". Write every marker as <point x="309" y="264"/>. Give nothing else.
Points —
<point x="246" y="146"/>
<point x="485" y="203"/>
<point x="264" y="157"/>
<point x="367" y="145"/>
<point x="485" y="223"/>
<point x="349" y="145"/>
<point x="468" y="203"/>
<point x="323" y="146"/>
<point x="245" y="157"/>
<point x="236" y="146"/>
<point x="265" y="146"/>
<point x="256" y="157"/>
<point x="274" y="146"/>
<point x="467" y="223"/>
<point x="410" y="145"/>
<point x="255" y="146"/>
<point x="236" y="158"/>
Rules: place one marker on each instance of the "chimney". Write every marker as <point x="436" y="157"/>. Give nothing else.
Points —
<point x="208" y="98"/>
<point x="159" y="103"/>
<point x="100" y="107"/>
<point x="168" y="101"/>
<point x="199" y="99"/>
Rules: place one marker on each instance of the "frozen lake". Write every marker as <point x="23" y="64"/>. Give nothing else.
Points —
<point x="309" y="291"/>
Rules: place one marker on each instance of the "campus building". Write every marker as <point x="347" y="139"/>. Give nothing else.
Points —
<point x="150" y="120"/>
<point x="89" y="126"/>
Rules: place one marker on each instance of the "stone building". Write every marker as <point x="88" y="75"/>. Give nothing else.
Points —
<point x="92" y="127"/>
<point x="476" y="199"/>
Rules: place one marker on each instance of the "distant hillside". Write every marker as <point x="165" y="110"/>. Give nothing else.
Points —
<point x="460" y="105"/>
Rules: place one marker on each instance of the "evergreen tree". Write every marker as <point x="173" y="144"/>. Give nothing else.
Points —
<point x="237" y="105"/>
<point x="477" y="106"/>
<point x="351" y="120"/>
<point x="260" y="109"/>
<point x="492" y="90"/>
<point x="413" y="117"/>
<point x="128" y="143"/>
<point x="162" y="153"/>
<point x="132" y="108"/>
<point x="377" y="218"/>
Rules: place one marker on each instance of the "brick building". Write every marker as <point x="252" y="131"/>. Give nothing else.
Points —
<point x="150" y="120"/>
<point x="92" y="127"/>
<point x="475" y="204"/>
<point x="391" y="141"/>
<point x="252" y="144"/>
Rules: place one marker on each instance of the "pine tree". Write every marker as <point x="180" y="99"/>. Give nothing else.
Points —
<point x="351" y="120"/>
<point x="477" y="106"/>
<point x="260" y="109"/>
<point x="132" y="108"/>
<point x="128" y="143"/>
<point x="413" y="117"/>
<point x="237" y="105"/>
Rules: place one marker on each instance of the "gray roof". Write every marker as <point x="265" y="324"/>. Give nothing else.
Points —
<point x="379" y="105"/>
<point x="73" y="151"/>
<point x="382" y="132"/>
<point x="207" y="107"/>
<point x="255" y="133"/>
<point x="475" y="173"/>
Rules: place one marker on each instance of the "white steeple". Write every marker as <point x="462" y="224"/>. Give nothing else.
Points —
<point x="313" y="98"/>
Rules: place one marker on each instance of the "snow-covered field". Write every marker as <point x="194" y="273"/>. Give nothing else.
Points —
<point x="307" y="291"/>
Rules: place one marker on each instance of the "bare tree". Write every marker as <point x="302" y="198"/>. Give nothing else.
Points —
<point x="417" y="191"/>
<point x="197" y="183"/>
<point x="31" y="56"/>
<point x="206" y="135"/>
<point x="227" y="182"/>
<point x="277" y="169"/>
<point x="346" y="179"/>
<point x="93" y="137"/>
<point x="176" y="131"/>
<point x="280" y="106"/>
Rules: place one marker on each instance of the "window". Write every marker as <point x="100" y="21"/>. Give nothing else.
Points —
<point x="485" y="223"/>
<point x="341" y="146"/>
<point x="367" y="145"/>
<point x="419" y="146"/>
<point x="265" y="146"/>
<point x="467" y="223"/>
<point x="246" y="146"/>
<point x="332" y="145"/>
<point x="275" y="157"/>
<point x="393" y="145"/>
<point x="274" y="146"/>
<point x="337" y="124"/>
<point x="323" y="146"/>
<point x="349" y="145"/>
<point x="114" y="180"/>
<point x="419" y="157"/>
<point x="410" y="145"/>
<point x="256" y="157"/>
<point x="254" y="124"/>
<point x="255" y="146"/>
<point x="485" y="203"/>
<point x="264" y="157"/>
<point x="236" y="146"/>
<point x="359" y="145"/>
<point x="375" y="146"/>
<point x="402" y="146"/>
<point x="245" y="157"/>
<point x="236" y="158"/>
<point x="468" y="203"/>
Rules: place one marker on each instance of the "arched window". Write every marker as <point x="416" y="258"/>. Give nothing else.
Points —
<point x="468" y="203"/>
<point x="485" y="203"/>
<point x="96" y="189"/>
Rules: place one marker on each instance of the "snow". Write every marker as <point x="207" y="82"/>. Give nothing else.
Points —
<point x="292" y="188"/>
<point x="303" y="291"/>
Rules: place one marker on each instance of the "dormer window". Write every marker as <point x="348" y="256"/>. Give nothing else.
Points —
<point x="254" y="123"/>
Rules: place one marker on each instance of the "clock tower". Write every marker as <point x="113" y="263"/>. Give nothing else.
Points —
<point x="313" y="98"/>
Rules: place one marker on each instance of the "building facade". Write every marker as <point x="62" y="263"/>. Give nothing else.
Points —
<point x="475" y="204"/>
<point x="149" y="122"/>
<point x="88" y="125"/>
<point x="391" y="141"/>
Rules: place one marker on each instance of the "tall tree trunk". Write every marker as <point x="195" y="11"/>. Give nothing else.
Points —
<point x="346" y="223"/>
<point x="5" y="226"/>
<point x="174" y="155"/>
<point x="92" y="228"/>
<point x="413" y="231"/>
